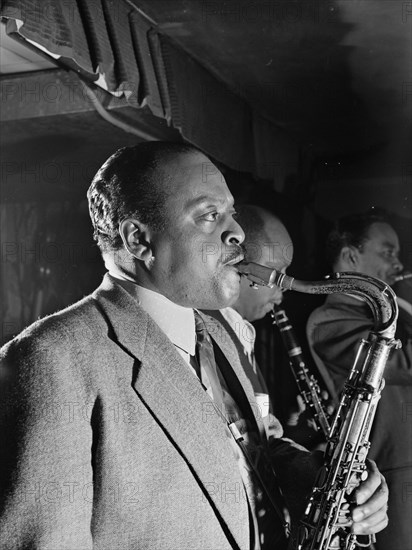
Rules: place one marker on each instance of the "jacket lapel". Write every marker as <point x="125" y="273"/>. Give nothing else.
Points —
<point x="174" y="396"/>
<point x="225" y="343"/>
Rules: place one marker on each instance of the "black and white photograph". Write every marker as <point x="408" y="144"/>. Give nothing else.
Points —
<point x="206" y="275"/>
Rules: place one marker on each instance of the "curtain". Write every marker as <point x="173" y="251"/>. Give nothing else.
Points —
<point x="117" y="48"/>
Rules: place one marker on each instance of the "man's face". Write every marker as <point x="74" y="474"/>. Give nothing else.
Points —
<point x="378" y="255"/>
<point x="195" y="253"/>
<point x="276" y="252"/>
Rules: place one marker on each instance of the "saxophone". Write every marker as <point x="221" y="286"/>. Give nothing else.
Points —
<point x="307" y="384"/>
<point x="325" y="524"/>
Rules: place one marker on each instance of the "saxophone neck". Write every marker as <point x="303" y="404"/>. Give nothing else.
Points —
<point x="378" y="295"/>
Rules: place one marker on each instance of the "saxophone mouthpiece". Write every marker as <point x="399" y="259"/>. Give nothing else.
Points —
<point x="265" y="276"/>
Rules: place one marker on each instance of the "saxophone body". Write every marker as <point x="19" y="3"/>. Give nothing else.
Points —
<point x="306" y="382"/>
<point x="326" y="522"/>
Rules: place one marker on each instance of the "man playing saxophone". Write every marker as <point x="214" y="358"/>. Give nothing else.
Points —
<point x="114" y="429"/>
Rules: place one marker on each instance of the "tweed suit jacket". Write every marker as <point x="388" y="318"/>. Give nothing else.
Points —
<point x="110" y="440"/>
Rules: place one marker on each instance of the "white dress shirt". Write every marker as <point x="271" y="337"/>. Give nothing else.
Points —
<point x="177" y="322"/>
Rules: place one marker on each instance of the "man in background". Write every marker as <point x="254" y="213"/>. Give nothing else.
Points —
<point x="367" y="243"/>
<point x="268" y="243"/>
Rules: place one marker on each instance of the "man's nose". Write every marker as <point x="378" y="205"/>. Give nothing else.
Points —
<point x="397" y="265"/>
<point x="234" y="235"/>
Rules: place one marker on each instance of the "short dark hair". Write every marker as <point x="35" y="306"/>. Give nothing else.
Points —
<point x="352" y="230"/>
<point x="127" y="185"/>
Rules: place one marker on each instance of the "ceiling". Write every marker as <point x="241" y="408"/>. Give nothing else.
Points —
<point x="334" y="73"/>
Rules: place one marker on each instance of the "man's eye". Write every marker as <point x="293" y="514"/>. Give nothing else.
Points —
<point x="211" y="216"/>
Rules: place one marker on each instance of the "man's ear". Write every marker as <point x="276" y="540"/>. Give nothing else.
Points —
<point x="349" y="256"/>
<point x="136" y="239"/>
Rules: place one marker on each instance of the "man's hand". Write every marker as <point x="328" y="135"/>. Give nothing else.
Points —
<point x="302" y="427"/>
<point x="369" y="516"/>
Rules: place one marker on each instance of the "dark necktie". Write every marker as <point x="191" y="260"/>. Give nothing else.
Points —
<point x="206" y="359"/>
<point x="229" y="410"/>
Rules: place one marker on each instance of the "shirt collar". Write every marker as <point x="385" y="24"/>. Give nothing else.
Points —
<point x="177" y="322"/>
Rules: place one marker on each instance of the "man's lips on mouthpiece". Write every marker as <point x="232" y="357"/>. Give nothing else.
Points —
<point x="236" y="260"/>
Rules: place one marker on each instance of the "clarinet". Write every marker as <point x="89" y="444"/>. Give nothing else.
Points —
<point x="307" y="384"/>
<point x="326" y="522"/>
